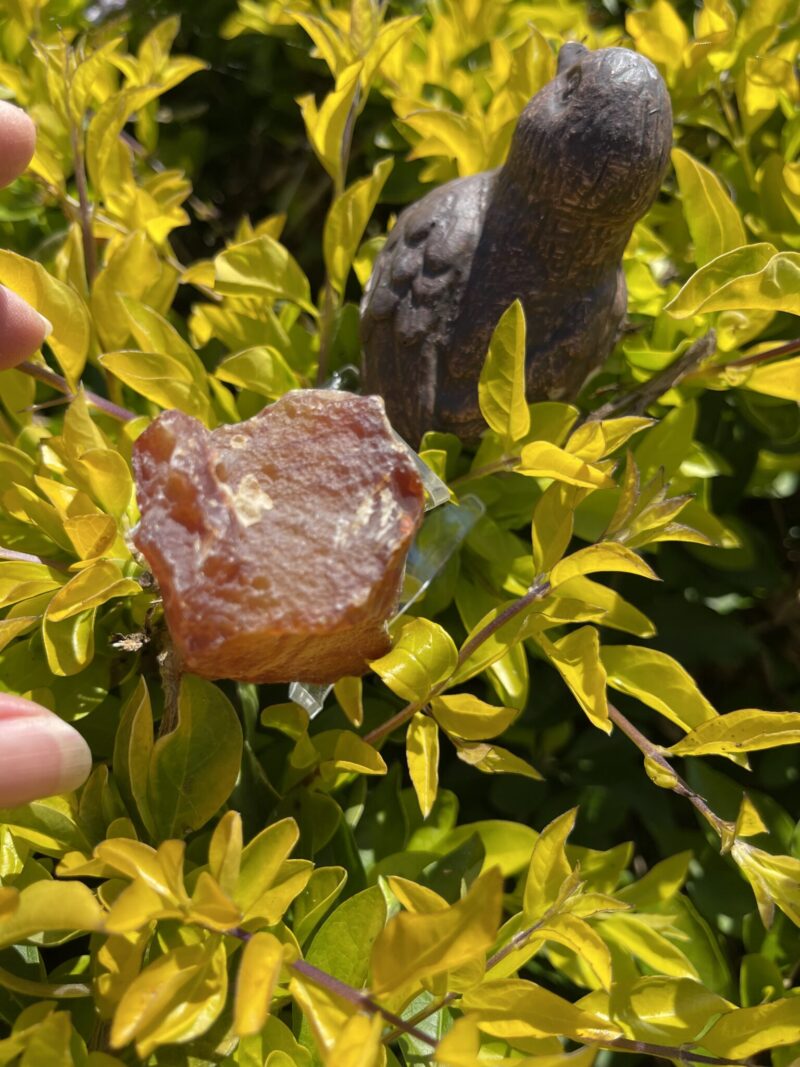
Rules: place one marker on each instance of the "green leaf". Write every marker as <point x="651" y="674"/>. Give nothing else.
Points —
<point x="347" y="220"/>
<point x="133" y="746"/>
<point x="194" y="768"/>
<point x="501" y="386"/>
<point x="342" y="945"/>
<point x="748" y="730"/>
<point x="69" y="643"/>
<point x="757" y="276"/>
<point x="423" y="657"/>
<point x="713" y="220"/>
<point x="422" y="754"/>
<point x="262" y="267"/>
<point x="323" y="888"/>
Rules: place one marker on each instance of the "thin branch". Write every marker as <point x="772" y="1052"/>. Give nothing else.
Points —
<point x="507" y="463"/>
<point x="538" y="591"/>
<point x="55" y="381"/>
<point x="681" y="787"/>
<point x="357" y="997"/>
<point x="26" y="557"/>
<point x="85" y="206"/>
<point x="638" y="400"/>
<point x="330" y="299"/>
<point x="667" y="1052"/>
<point x="763" y="357"/>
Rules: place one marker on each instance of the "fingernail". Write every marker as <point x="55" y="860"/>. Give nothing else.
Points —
<point x="47" y="325"/>
<point x="40" y="754"/>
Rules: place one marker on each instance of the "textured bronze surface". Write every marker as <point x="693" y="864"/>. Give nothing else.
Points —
<point x="278" y="543"/>
<point x="548" y="227"/>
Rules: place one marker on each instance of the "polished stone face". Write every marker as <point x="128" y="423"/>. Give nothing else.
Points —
<point x="548" y="228"/>
<point x="278" y="543"/>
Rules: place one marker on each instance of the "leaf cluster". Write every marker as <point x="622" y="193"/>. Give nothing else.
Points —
<point x="600" y="634"/>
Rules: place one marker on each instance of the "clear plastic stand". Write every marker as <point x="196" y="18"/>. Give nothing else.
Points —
<point x="437" y="540"/>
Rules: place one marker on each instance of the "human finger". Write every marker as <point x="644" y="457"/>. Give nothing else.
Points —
<point x="40" y="754"/>
<point x="22" y="329"/>
<point x="17" y="141"/>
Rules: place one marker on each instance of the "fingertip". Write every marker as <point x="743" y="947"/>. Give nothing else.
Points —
<point x="17" y="141"/>
<point x="40" y="754"/>
<point x="22" y="329"/>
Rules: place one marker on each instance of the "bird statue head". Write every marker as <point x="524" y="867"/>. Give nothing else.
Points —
<point x="595" y="140"/>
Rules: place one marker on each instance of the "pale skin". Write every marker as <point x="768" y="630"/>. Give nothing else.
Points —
<point x="40" y="754"/>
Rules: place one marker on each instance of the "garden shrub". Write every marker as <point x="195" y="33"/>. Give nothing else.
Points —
<point x="535" y="830"/>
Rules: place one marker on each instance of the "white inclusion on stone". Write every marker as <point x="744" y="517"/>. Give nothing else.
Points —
<point x="250" y="501"/>
<point x="239" y="440"/>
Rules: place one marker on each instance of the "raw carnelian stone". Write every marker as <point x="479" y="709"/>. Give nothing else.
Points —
<point x="278" y="543"/>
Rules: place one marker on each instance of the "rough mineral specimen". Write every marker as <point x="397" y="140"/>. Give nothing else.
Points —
<point x="278" y="543"/>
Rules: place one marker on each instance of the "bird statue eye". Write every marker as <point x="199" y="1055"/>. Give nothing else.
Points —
<point x="574" y="75"/>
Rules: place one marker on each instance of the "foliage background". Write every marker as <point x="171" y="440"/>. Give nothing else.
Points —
<point x="442" y="103"/>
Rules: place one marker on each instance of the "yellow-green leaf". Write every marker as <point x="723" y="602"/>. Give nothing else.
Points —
<point x="97" y="584"/>
<point x="466" y="716"/>
<point x="358" y="1043"/>
<point x="659" y="681"/>
<point x="549" y="867"/>
<point x="576" y="657"/>
<point x="262" y="267"/>
<point x="713" y="219"/>
<point x="776" y="379"/>
<point x="159" y="378"/>
<point x="746" y="1032"/>
<point x="422" y="753"/>
<point x="492" y="759"/>
<point x="501" y="386"/>
<point x="757" y="276"/>
<point x="176" y="998"/>
<point x="51" y="905"/>
<point x="416" y="946"/>
<point x="259" y="970"/>
<point x="422" y="658"/>
<point x="604" y="556"/>
<point x="57" y="302"/>
<point x="262" y="369"/>
<point x="325" y="125"/>
<point x="748" y="730"/>
<point x="515" y="1009"/>
<point x="541" y="459"/>
<point x="347" y="220"/>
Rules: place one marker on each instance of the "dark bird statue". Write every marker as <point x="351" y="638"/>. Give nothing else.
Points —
<point x="548" y="227"/>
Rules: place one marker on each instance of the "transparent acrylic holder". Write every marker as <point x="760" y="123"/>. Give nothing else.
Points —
<point x="426" y="558"/>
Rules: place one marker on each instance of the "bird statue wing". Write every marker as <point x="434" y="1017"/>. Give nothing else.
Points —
<point x="413" y="298"/>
